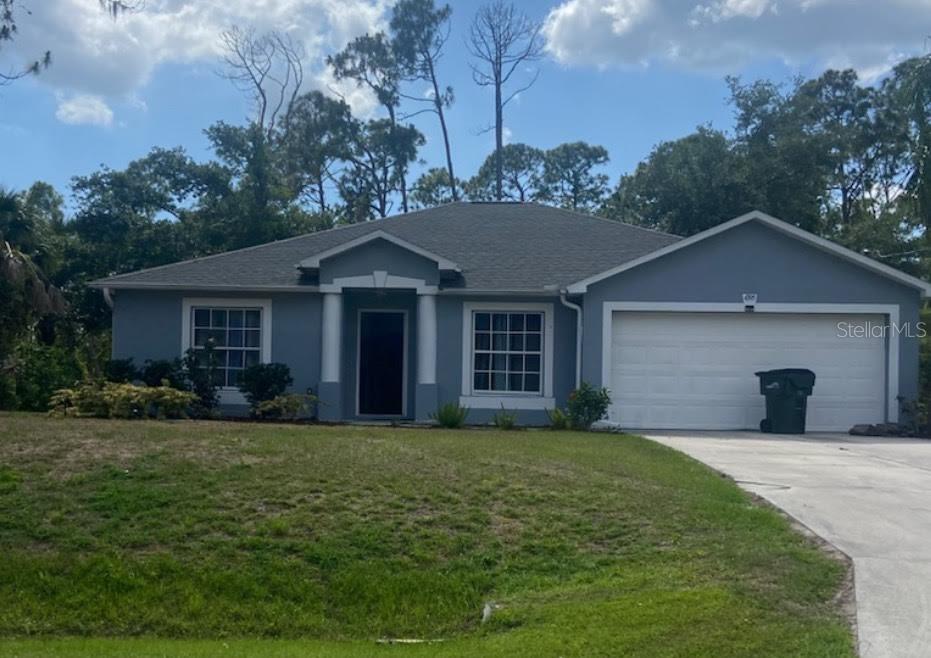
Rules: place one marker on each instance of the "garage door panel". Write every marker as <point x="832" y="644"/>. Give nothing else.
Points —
<point x="695" y="370"/>
<point x="699" y="415"/>
<point x="632" y="355"/>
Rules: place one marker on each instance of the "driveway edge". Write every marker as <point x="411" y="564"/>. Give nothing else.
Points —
<point x="846" y="596"/>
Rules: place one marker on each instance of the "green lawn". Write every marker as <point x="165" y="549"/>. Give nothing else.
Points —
<point x="227" y="539"/>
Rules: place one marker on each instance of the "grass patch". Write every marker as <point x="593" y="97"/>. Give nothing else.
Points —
<point x="203" y="539"/>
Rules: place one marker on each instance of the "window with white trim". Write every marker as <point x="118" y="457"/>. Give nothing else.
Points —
<point x="236" y="334"/>
<point x="507" y="352"/>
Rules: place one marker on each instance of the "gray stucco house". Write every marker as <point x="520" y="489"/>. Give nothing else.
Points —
<point x="506" y="304"/>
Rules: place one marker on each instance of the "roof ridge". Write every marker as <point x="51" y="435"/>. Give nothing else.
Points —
<point x="605" y="219"/>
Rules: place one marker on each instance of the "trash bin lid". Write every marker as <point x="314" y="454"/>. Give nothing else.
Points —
<point x="785" y="371"/>
<point x="799" y="377"/>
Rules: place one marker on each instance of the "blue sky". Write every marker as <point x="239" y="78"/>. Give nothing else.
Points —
<point x="626" y="74"/>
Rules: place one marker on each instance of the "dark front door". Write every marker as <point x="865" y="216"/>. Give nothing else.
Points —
<point x="381" y="363"/>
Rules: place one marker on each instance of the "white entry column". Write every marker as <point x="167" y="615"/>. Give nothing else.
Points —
<point x="426" y="338"/>
<point x="426" y="397"/>
<point x="331" y="356"/>
<point x="332" y="336"/>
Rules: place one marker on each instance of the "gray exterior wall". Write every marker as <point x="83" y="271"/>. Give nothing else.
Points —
<point x="757" y="259"/>
<point x="147" y="325"/>
<point x="379" y="255"/>
<point x="449" y="355"/>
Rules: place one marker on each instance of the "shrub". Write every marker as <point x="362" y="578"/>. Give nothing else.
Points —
<point x="158" y="371"/>
<point x="8" y="399"/>
<point x="120" y="370"/>
<point x="289" y="405"/>
<point x="200" y="373"/>
<point x="558" y="419"/>
<point x="914" y="415"/>
<point x="587" y="405"/>
<point x="505" y="420"/>
<point x="39" y="370"/>
<point x="451" y="415"/>
<point x="115" y="400"/>
<point x="84" y="400"/>
<point x="264" y="382"/>
<point x="125" y="400"/>
<point x="169" y="402"/>
<point x="924" y="358"/>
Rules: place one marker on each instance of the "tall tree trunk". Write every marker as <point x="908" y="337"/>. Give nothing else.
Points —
<point x="384" y="192"/>
<point x="321" y="195"/>
<point x="403" y="174"/>
<point x="499" y="139"/>
<point x="400" y="169"/>
<point x="438" y="102"/>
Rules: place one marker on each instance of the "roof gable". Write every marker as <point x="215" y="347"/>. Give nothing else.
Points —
<point x="823" y="244"/>
<point x="313" y="262"/>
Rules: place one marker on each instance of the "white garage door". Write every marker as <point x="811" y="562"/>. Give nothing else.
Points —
<point x="695" y="370"/>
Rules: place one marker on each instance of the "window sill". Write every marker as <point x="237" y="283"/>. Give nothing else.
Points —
<point x="508" y="401"/>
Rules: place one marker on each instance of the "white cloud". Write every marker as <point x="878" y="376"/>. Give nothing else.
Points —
<point x="723" y="35"/>
<point x="723" y="10"/>
<point x="360" y="99"/>
<point x="137" y="103"/>
<point x="84" y="109"/>
<point x="871" y="72"/>
<point x="626" y="14"/>
<point x="93" y="54"/>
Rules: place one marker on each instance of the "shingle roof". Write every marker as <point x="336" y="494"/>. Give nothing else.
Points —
<point x="499" y="246"/>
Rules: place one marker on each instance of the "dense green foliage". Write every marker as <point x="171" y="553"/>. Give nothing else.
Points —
<point x="122" y="371"/>
<point x="587" y="405"/>
<point x="432" y="189"/>
<point x="287" y="405"/>
<point x="163" y="371"/>
<point x="120" y="400"/>
<point x="40" y="370"/>
<point x="264" y="381"/>
<point x="201" y="378"/>
<point x="567" y="176"/>
<point x="450" y="415"/>
<point x="588" y="544"/>
<point x="558" y="418"/>
<point x="504" y="419"/>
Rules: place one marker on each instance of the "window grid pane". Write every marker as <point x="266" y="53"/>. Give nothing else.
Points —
<point x="237" y="339"/>
<point x="507" y="351"/>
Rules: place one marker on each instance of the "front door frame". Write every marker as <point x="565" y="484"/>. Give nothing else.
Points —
<point x="404" y="370"/>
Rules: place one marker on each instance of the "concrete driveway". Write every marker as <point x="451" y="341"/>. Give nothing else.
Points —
<point x="870" y="497"/>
